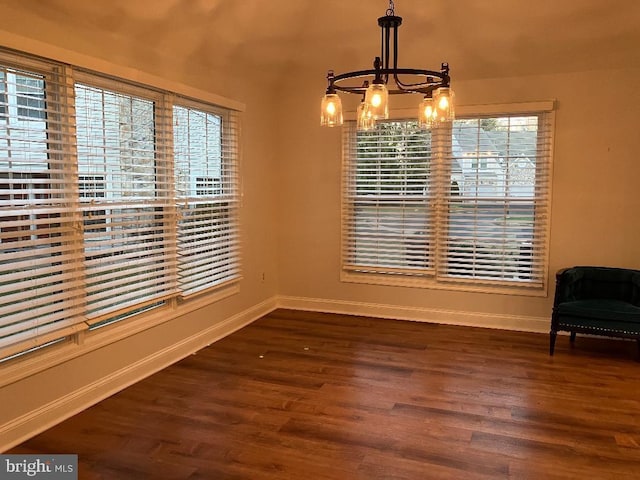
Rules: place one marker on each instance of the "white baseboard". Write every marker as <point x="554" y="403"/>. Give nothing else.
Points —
<point x="46" y="416"/>
<point x="449" y="317"/>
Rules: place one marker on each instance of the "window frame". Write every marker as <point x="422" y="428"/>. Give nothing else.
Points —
<point x="442" y="136"/>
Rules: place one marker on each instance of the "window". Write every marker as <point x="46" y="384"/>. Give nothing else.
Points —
<point x="389" y="196"/>
<point x="207" y="186"/>
<point x="30" y="96"/>
<point x="126" y="247"/>
<point x="207" y="199"/>
<point x="467" y="206"/>
<point x="92" y="187"/>
<point x="40" y="290"/>
<point x="113" y="201"/>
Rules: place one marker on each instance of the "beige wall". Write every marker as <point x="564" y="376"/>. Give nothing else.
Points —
<point x="596" y="189"/>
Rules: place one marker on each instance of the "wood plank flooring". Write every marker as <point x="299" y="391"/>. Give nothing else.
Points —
<point x="300" y="395"/>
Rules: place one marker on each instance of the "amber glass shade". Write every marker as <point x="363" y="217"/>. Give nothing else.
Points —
<point x="443" y="104"/>
<point x="331" y="110"/>
<point x="365" y="120"/>
<point x="377" y="99"/>
<point x="426" y="113"/>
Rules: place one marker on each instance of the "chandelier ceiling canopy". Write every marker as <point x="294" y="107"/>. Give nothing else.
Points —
<point x="384" y="79"/>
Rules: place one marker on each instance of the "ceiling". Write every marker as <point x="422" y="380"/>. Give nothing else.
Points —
<point x="479" y="38"/>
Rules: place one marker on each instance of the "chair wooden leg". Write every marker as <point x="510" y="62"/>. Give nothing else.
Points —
<point x="552" y="341"/>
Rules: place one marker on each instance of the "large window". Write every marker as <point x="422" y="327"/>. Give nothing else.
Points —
<point x="465" y="206"/>
<point x="114" y="199"/>
<point x="207" y="199"/>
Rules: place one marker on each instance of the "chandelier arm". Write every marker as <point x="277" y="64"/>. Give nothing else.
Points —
<point x="381" y="44"/>
<point x="395" y="47"/>
<point x="391" y="71"/>
<point x="444" y="77"/>
<point x="387" y="39"/>
<point x="427" y="88"/>
<point x="356" y="90"/>
<point x="442" y="83"/>
<point x="382" y="62"/>
<point x="421" y="87"/>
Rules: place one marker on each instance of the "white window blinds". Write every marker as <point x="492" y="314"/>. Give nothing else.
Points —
<point x="112" y="201"/>
<point x="41" y="291"/>
<point x="468" y="204"/>
<point x="206" y="180"/>
<point x="126" y="204"/>
<point x="387" y="222"/>
<point x="495" y="215"/>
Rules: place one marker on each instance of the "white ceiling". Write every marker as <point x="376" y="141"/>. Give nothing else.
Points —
<point x="479" y="38"/>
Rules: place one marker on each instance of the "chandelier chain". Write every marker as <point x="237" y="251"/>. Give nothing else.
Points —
<point x="391" y="10"/>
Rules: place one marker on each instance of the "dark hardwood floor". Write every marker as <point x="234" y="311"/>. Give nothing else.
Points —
<point x="317" y="396"/>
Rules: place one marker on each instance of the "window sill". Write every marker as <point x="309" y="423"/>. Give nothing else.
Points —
<point x="84" y="342"/>
<point x="442" y="284"/>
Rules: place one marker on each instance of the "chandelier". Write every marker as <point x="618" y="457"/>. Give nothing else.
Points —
<point x="383" y="80"/>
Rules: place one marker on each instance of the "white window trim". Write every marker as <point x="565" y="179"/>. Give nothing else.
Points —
<point x="475" y="286"/>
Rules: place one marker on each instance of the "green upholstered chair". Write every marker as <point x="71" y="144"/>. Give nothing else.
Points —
<point x="597" y="301"/>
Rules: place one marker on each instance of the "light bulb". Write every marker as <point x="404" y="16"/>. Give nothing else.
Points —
<point x="376" y="100"/>
<point x="331" y="108"/>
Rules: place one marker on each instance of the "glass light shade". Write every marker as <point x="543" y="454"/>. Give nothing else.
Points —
<point x="377" y="99"/>
<point x="365" y="119"/>
<point x="427" y="113"/>
<point x="331" y="110"/>
<point x="443" y="104"/>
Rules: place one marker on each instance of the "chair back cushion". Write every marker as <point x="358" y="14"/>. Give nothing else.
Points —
<point x="608" y="283"/>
